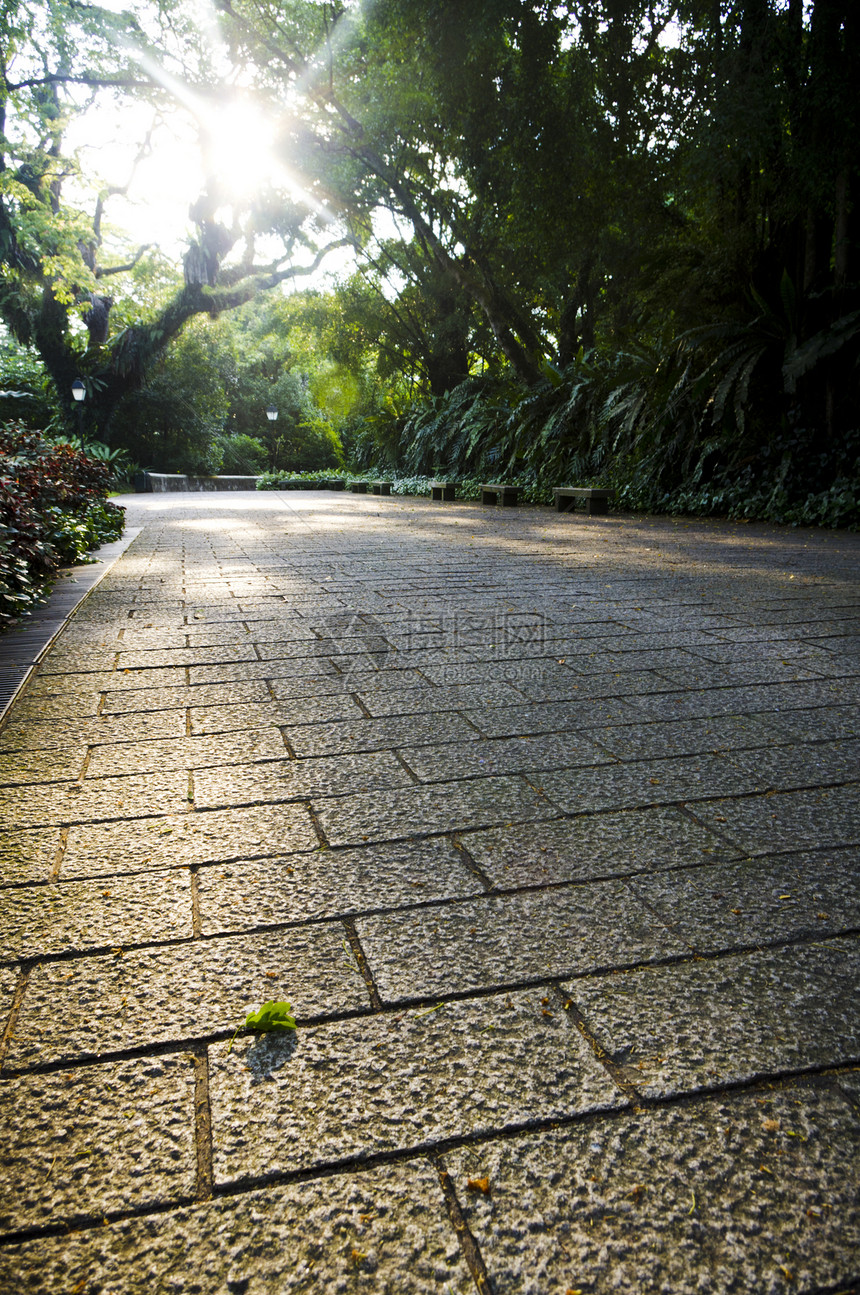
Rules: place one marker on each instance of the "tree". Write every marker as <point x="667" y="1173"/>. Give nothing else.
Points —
<point x="60" y="59"/>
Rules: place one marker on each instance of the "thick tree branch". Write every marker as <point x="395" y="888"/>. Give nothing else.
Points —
<point x="104" y="271"/>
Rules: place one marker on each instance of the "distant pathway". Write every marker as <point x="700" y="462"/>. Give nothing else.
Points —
<point x="549" y="829"/>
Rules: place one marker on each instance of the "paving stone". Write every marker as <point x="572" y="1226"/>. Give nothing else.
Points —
<point x="444" y="807"/>
<point x="690" y="736"/>
<point x="67" y="916"/>
<point x="585" y="717"/>
<point x="29" y="855"/>
<point x="711" y="1197"/>
<point x="375" y="681"/>
<point x="296" y="711"/>
<point x="8" y="984"/>
<point x="729" y="773"/>
<point x="377" y="734"/>
<point x="158" y="699"/>
<point x="326" y="647"/>
<point x="707" y="1023"/>
<point x="96" y="1139"/>
<point x="33" y="707"/>
<point x="501" y="755"/>
<point x="107" y="1003"/>
<point x="178" y="840"/>
<point x="291" y="779"/>
<point x="741" y="700"/>
<point x="816" y="724"/>
<point x="35" y="767"/>
<point x="603" y="684"/>
<point x="104" y="798"/>
<point x="331" y="883"/>
<point x="592" y="846"/>
<point x="46" y="684"/>
<point x="306" y="672"/>
<point x="402" y="1082"/>
<point x="65" y="659"/>
<point x="813" y="818"/>
<point x="503" y="940"/>
<point x="43" y="735"/>
<point x="233" y="649"/>
<point x="187" y="752"/>
<point x="758" y="901"/>
<point x="353" y="1231"/>
<point x="848" y="1083"/>
<point x="407" y="701"/>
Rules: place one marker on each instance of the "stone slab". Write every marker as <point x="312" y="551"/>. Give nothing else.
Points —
<point x="26" y="767"/>
<point x="712" y="1197"/>
<point x="592" y="846"/>
<point x="294" y="779"/>
<point x="689" y="736"/>
<point x="351" y="1232"/>
<point x="821" y="817"/>
<point x="329" y="883"/>
<point x="687" y="778"/>
<point x="529" y="754"/>
<point x="301" y="672"/>
<point x="352" y="681"/>
<point x="28" y="856"/>
<point x="758" y="901"/>
<point x="70" y="916"/>
<point x="159" y="699"/>
<point x="512" y="939"/>
<point x="96" y="1139"/>
<point x="403" y="1082"/>
<point x="297" y="711"/>
<point x="444" y="807"/>
<point x="98" y="1005"/>
<point x="378" y="734"/>
<point x="703" y="701"/>
<point x="8" y="984"/>
<point x="187" y="752"/>
<point x="408" y="701"/>
<point x="42" y="735"/>
<point x="707" y="1023"/>
<point x="575" y="717"/>
<point x="104" y="798"/>
<point x="178" y="840"/>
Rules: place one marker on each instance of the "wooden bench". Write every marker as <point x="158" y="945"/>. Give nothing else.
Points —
<point x="380" y="487"/>
<point x="443" y="491"/>
<point x="497" y="493"/>
<point x="336" y="483"/>
<point x="358" y="487"/>
<point x="596" y="500"/>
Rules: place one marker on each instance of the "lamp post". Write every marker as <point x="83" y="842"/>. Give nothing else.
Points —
<point x="272" y="415"/>
<point x="79" y="391"/>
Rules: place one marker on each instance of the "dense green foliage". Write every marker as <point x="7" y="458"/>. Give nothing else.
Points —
<point x="53" y="510"/>
<point x="592" y="242"/>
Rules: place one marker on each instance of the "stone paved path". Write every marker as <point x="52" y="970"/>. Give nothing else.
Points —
<point x="548" y="828"/>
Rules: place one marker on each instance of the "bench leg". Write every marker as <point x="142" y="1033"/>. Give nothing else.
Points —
<point x="509" y="501"/>
<point x="597" y="507"/>
<point x="563" y="504"/>
<point x="488" y="496"/>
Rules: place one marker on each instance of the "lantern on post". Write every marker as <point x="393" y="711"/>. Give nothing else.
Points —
<point x="79" y="392"/>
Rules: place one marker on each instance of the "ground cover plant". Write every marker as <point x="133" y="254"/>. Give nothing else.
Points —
<point x="53" y="511"/>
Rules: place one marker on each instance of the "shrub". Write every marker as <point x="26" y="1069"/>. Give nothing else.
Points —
<point x="53" y="510"/>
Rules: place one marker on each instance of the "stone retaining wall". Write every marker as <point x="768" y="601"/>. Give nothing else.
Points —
<point x="159" y="482"/>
